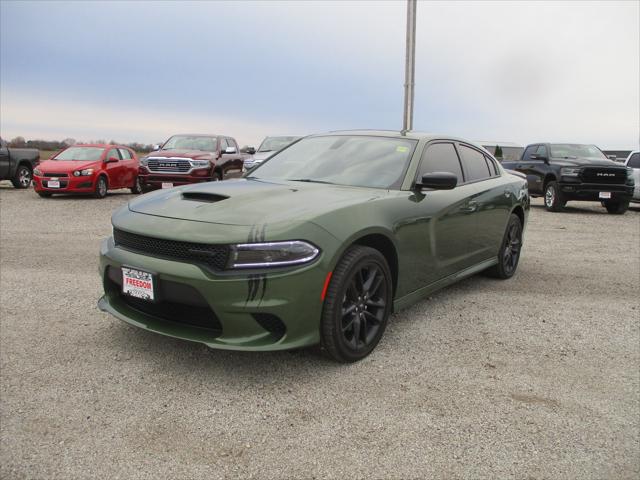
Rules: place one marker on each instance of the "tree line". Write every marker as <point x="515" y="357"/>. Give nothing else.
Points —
<point x="20" y="142"/>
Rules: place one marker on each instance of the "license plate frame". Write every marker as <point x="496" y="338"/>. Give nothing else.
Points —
<point x="53" y="184"/>
<point x="139" y="284"/>
<point x="604" y="195"/>
<point x="167" y="185"/>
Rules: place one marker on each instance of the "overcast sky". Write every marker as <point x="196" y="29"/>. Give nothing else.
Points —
<point x="140" y="71"/>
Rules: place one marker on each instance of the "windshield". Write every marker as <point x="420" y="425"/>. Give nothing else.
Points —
<point x="86" y="154"/>
<point x="275" y="144"/>
<point x="185" y="142"/>
<point x="361" y="161"/>
<point x="566" y="150"/>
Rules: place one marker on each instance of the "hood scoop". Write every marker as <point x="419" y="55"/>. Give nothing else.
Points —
<point x="203" y="197"/>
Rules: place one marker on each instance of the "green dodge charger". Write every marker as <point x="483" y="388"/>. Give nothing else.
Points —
<point x="317" y="245"/>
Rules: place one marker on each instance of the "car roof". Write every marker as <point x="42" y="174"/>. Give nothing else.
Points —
<point x="415" y="135"/>
<point x="502" y="144"/>
<point x="199" y="135"/>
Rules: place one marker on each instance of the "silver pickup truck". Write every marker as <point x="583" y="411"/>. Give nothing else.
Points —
<point x="633" y="161"/>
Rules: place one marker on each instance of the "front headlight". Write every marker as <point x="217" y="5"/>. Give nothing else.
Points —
<point x="271" y="254"/>
<point x="144" y="161"/>
<point x="37" y="171"/>
<point x="85" y="173"/>
<point x="629" y="172"/>
<point x="570" y="171"/>
<point x="199" y="163"/>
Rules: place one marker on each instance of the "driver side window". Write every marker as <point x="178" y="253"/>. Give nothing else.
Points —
<point x="440" y="157"/>
<point x="542" y="151"/>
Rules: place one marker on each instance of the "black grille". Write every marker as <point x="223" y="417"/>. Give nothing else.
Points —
<point x="212" y="256"/>
<point x="169" y="165"/>
<point x="193" y="310"/>
<point x="51" y="174"/>
<point x="604" y="175"/>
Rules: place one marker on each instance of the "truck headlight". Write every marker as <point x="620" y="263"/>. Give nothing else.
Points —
<point x="144" y="161"/>
<point x="629" y="172"/>
<point x="199" y="163"/>
<point x="271" y="254"/>
<point x="570" y="171"/>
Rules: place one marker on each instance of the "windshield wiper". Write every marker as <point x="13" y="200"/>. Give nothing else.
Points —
<point x="308" y="180"/>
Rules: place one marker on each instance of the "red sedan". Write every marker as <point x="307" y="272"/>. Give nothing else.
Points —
<point x="88" y="169"/>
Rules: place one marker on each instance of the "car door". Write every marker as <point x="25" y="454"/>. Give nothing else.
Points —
<point x="534" y="166"/>
<point x="438" y="223"/>
<point x="4" y="160"/>
<point x="491" y="199"/>
<point x="129" y="167"/>
<point x="114" y="169"/>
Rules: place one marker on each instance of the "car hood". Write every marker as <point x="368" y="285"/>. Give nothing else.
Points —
<point x="251" y="202"/>
<point x="585" y="162"/>
<point x="193" y="154"/>
<point x="65" y="166"/>
<point x="260" y="156"/>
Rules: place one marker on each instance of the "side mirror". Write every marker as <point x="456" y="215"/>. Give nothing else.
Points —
<point x="251" y="150"/>
<point x="111" y="160"/>
<point x="230" y="150"/>
<point x="438" y="181"/>
<point x="156" y="147"/>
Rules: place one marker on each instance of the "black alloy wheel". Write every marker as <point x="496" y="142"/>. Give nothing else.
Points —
<point x="509" y="254"/>
<point x="553" y="199"/>
<point x="357" y="305"/>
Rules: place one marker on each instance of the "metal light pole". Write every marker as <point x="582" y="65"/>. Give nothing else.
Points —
<point x="409" y="69"/>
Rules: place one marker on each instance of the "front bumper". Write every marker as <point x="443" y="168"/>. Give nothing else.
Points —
<point x="273" y="310"/>
<point x="70" y="184"/>
<point x="156" y="179"/>
<point x="591" y="191"/>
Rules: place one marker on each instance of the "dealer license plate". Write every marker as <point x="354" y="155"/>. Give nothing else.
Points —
<point x="167" y="185"/>
<point x="137" y="283"/>
<point x="604" y="195"/>
<point x="53" y="184"/>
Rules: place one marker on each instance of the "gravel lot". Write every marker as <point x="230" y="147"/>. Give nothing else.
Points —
<point x="536" y="377"/>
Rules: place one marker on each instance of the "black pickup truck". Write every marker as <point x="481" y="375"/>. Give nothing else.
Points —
<point x="561" y="172"/>
<point x="17" y="164"/>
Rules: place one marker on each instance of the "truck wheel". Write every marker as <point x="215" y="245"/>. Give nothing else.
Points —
<point x="553" y="198"/>
<point x="509" y="254"/>
<point x="217" y="176"/>
<point x="616" y="207"/>
<point x="101" y="187"/>
<point x="23" y="177"/>
<point x="137" y="187"/>
<point x="357" y="305"/>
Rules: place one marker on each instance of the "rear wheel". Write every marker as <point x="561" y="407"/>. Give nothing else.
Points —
<point x="509" y="254"/>
<point x="357" y="305"/>
<point x="616" y="207"/>
<point x="23" y="177"/>
<point x="101" y="187"/>
<point x="137" y="186"/>
<point x="553" y="198"/>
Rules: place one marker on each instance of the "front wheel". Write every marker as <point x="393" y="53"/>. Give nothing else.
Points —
<point x="357" y="305"/>
<point x="509" y="254"/>
<point x="553" y="198"/>
<point x="23" y="177"/>
<point x="616" y="207"/>
<point x="101" y="187"/>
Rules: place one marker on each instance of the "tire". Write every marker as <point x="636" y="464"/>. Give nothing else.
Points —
<point x="137" y="186"/>
<point x="101" y="187"/>
<point x="217" y="176"/>
<point x="554" y="200"/>
<point x="618" y="207"/>
<point x="23" y="177"/>
<point x="509" y="253"/>
<point x="342" y="336"/>
<point x="44" y="194"/>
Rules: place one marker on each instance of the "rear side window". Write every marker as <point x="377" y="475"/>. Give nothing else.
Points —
<point x="441" y="157"/>
<point x="493" y="168"/>
<point x="475" y="165"/>
<point x="634" y="161"/>
<point x="125" y="154"/>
